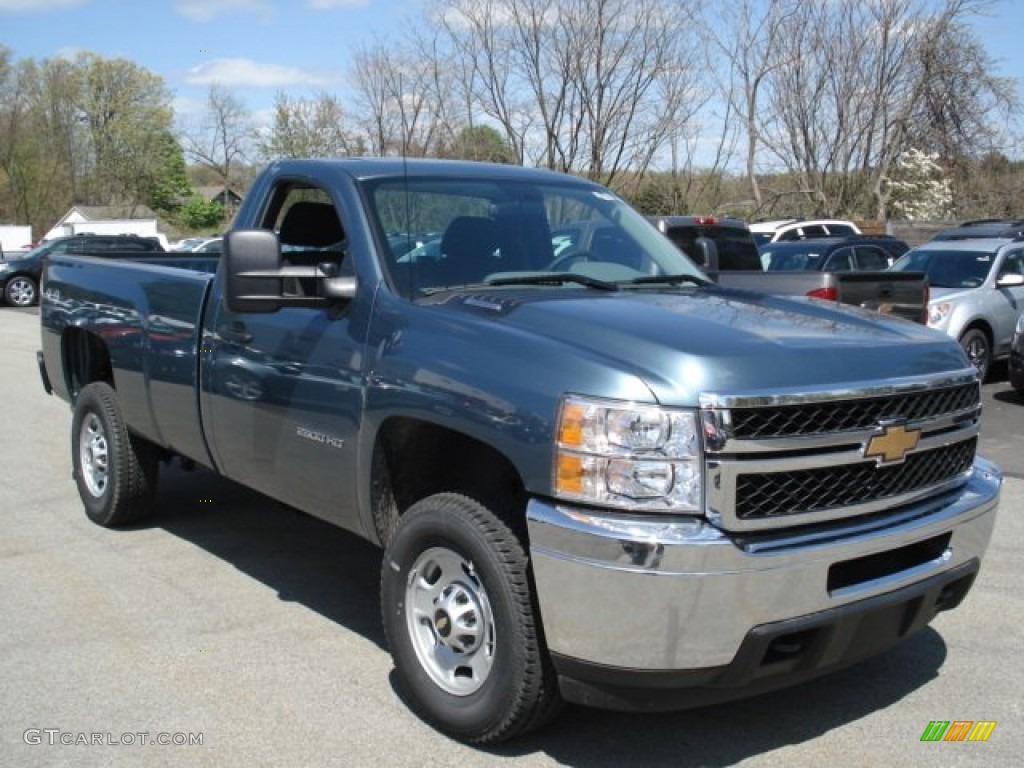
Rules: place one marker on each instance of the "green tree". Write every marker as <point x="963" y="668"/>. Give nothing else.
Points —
<point x="198" y="213"/>
<point x="480" y="142"/>
<point x="126" y="110"/>
<point x="169" y="186"/>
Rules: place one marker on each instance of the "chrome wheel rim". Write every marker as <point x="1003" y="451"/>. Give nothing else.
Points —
<point x="21" y="292"/>
<point x="450" y="621"/>
<point x="977" y="353"/>
<point x="93" y="455"/>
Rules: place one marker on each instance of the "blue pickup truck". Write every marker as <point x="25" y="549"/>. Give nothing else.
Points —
<point x="595" y="475"/>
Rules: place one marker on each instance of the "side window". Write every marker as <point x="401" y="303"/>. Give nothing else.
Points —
<point x="1013" y="264"/>
<point x="840" y="230"/>
<point x="310" y="232"/>
<point x="840" y="261"/>
<point x="814" y="230"/>
<point x="871" y="259"/>
<point x="308" y="226"/>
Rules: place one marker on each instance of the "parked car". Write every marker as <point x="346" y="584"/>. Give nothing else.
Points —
<point x="189" y="243"/>
<point x="856" y="253"/>
<point x="20" y="277"/>
<point x="213" y="245"/>
<point x="801" y="229"/>
<point x="737" y="250"/>
<point x="1016" y="365"/>
<point x="725" y="249"/>
<point x="970" y="230"/>
<point x="977" y="291"/>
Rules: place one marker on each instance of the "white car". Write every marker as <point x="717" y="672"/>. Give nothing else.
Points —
<point x="801" y="229"/>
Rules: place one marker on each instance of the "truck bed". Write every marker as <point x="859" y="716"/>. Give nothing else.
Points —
<point x="902" y="294"/>
<point x="148" y="312"/>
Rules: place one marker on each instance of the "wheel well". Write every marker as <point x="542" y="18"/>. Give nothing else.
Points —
<point x="979" y="325"/>
<point x="86" y="360"/>
<point x="415" y="459"/>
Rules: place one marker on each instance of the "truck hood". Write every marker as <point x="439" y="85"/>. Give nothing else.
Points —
<point x="689" y="341"/>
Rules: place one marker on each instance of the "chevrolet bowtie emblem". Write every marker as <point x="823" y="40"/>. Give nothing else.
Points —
<point x="892" y="444"/>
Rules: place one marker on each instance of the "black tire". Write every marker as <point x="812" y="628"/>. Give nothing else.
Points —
<point x="976" y="345"/>
<point x="116" y="472"/>
<point x="474" y="663"/>
<point x="21" y="291"/>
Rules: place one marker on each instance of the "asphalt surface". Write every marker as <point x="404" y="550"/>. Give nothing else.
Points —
<point x="230" y="619"/>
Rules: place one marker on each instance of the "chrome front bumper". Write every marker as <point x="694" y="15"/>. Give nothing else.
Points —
<point x="668" y="593"/>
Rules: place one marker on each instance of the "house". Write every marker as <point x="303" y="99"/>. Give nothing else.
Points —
<point x="226" y="196"/>
<point x="106" y="219"/>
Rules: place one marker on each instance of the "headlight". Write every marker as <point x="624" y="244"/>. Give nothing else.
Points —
<point x="628" y="456"/>
<point x="939" y="312"/>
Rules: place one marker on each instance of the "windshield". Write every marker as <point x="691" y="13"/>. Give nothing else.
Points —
<point x="948" y="269"/>
<point x="792" y="257"/>
<point x="496" y="231"/>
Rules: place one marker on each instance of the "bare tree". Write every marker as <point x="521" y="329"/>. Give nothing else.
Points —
<point x="308" y="128"/>
<point x="749" y="36"/>
<point x="221" y="141"/>
<point x="589" y="86"/>
<point x="404" y="92"/>
<point x="834" y="90"/>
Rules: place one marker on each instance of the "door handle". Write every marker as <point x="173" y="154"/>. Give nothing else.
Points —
<point x="235" y="333"/>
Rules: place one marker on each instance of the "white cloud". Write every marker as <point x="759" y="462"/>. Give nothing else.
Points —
<point x="249" y="73"/>
<point x="207" y="10"/>
<point x="31" y="6"/>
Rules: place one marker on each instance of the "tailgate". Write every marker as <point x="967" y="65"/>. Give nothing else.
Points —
<point x="903" y="294"/>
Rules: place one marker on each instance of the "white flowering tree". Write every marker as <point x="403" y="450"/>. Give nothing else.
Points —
<point x="917" y="187"/>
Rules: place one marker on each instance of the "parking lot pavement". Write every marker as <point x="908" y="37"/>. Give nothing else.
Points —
<point x="233" y="621"/>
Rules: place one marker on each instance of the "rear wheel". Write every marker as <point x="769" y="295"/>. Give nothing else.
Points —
<point x="21" y="291"/>
<point x="461" y="623"/>
<point x="115" y="471"/>
<point x="976" y="344"/>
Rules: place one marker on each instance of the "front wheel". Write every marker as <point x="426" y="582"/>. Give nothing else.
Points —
<point x="975" y="343"/>
<point x="461" y="623"/>
<point x="21" y="291"/>
<point x="116" y="472"/>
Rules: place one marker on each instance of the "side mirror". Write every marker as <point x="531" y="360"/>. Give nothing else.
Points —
<point x="1011" y="280"/>
<point x="707" y="254"/>
<point x="251" y="263"/>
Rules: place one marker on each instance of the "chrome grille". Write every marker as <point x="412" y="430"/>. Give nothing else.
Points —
<point x="844" y="415"/>
<point x="782" y="458"/>
<point x="776" y="494"/>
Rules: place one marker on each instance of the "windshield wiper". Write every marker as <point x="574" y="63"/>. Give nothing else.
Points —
<point x="670" y="279"/>
<point x="554" y="278"/>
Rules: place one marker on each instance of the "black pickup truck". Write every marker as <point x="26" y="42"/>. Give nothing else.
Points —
<point x="596" y="475"/>
<point x="857" y="275"/>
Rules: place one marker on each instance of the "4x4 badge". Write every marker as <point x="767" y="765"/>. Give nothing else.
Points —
<point x="892" y="444"/>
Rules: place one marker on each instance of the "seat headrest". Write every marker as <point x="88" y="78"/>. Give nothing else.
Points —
<point x="311" y="224"/>
<point x="469" y="237"/>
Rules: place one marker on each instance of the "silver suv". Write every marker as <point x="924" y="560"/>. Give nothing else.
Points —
<point x="977" y="291"/>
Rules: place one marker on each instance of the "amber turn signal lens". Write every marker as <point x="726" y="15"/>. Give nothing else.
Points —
<point x="570" y="474"/>
<point x="570" y="430"/>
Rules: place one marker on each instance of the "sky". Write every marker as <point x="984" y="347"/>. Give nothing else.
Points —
<point x="254" y="47"/>
<point x="260" y="47"/>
